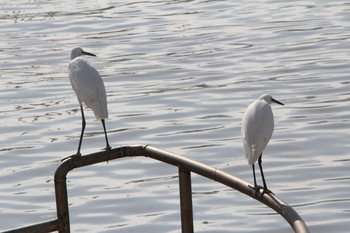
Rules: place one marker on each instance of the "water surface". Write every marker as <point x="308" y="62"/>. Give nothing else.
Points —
<point x="179" y="75"/>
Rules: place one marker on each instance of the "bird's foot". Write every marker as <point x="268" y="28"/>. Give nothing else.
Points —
<point x="108" y="149"/>
<point x="77" y="155"/>
<point x="266" y="190"/>
<point x="257" y="189"/>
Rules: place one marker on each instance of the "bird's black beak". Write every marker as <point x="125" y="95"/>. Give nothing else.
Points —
<point x="88" y="54"/>
<point x="276" y="101"/>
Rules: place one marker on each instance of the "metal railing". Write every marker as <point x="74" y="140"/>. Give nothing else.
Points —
<point x="185" y="167"/>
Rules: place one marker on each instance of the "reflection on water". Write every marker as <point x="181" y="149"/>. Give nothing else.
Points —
<point x="179" y="76"/>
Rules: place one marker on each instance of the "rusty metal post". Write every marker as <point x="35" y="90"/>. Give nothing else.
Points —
<point x="186" y="201"/>
<point x="62" y="199"/>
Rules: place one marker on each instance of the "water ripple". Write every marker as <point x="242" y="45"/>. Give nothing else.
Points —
<point x="179" y="75"/>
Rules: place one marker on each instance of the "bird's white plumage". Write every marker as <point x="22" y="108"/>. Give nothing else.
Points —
<point x="87" y="84"/>
<point x="257" y="127"/>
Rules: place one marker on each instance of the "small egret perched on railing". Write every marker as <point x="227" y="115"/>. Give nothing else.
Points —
<point x="89" y="88"/>
<point x="257" y="128"/>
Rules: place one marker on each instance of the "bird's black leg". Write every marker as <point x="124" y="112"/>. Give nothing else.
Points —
<point x="253" y="167"/>
<point x="108" y="148"/>
<point x="266" y="190"/>
<point x="104" y="128"/>
<point x="83" y="124"/>
<point x="256" y="186"/>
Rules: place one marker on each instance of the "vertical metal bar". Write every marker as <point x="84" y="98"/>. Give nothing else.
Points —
<point x="62" y="202"/>
<point x="186" y="201"/>
<point x="62" y="205"/>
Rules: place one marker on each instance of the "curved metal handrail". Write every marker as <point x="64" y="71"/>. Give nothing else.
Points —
<point x="185" y="166"/>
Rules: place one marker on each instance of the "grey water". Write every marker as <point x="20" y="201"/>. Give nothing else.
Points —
<point x="179" y="76"/>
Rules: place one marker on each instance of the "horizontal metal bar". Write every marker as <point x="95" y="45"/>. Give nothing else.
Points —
<point x="44" y="227"/>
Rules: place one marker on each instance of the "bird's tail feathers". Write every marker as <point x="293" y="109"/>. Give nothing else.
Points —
<point x="250" y="155"/>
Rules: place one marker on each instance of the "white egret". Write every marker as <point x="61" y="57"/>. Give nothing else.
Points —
<point x="89" y="88"/>
<point x="256" y="129"/>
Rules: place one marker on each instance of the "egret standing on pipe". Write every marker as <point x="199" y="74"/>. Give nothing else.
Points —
<point x="257" y="128"/>
<point x="89" y="88"/>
